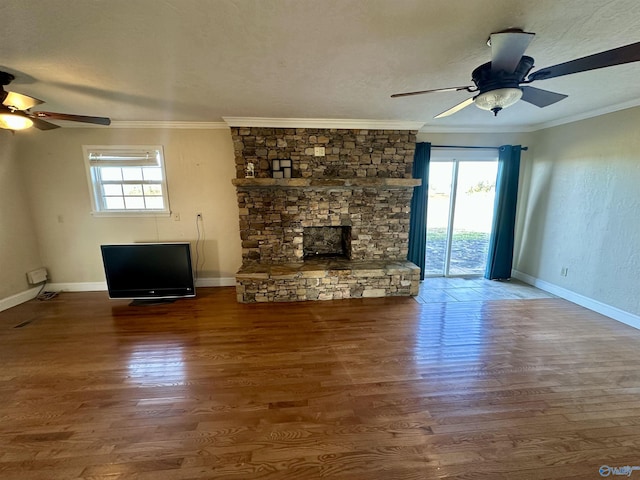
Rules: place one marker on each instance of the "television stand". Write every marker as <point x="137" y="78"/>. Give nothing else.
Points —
<point x="151" y="301"/>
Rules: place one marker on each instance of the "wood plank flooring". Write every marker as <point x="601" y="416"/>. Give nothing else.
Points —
<point x="206" y="388"/>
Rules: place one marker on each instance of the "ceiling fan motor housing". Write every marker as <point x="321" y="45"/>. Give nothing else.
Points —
<point x="6" y="78"/>
<point x="487" y="79"/>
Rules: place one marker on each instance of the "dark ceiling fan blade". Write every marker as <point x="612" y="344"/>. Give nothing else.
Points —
<point x="19" y="101"/>
<point x="609" y="58"/>
<point x="468" y="88"/>
<point x="73" y="118"/>
<point x="540" y="98"/>
<point x="507" y="49"/>
<point x="37" y="122"/>
<point x="455" y="109"/>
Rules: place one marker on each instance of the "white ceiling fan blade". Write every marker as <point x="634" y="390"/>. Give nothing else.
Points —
<point x="455" y="109"/>
<point x="507" y="49"/>
<point x="468" y="88"/>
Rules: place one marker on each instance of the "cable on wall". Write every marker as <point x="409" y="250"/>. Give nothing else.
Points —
<point x="43" y="296"/>
<point x="200" y="238"/>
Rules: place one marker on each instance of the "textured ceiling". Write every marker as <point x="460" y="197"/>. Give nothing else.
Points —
<point x="199" y="61"/>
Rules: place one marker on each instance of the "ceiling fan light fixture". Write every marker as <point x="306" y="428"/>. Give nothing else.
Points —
<point x="496" y="100"/>
<point x="11" y="121"/>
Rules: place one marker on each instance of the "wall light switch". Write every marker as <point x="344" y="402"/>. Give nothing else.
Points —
<point x="318" y="151"/>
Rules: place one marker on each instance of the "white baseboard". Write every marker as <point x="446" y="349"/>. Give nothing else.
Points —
<point x="18" y="298"/>
<point x="77" y="287"/>
<point x="599" y="307"/>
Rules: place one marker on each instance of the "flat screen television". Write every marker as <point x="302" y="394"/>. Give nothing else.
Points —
<point x="149" y="272"/>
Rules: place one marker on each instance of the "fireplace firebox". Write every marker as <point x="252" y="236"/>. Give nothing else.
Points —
<point x="326" y="242"/>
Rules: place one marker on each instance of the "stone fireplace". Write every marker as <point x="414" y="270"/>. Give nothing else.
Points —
<point x="339" y="228"/>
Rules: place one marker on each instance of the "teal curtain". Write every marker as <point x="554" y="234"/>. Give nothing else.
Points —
<point x="500" y="257"/>
<point x="418" y="220"/>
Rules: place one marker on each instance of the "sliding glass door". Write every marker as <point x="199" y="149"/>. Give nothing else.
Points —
<point x="438" y="214"/>
<point x="460" y="211"/>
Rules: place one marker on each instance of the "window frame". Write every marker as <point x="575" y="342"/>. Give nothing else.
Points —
<point x="120" y="156"/>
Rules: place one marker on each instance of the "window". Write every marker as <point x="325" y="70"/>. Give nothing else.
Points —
<point x="127" y="179"/>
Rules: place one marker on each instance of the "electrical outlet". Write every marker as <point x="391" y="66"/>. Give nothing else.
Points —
<point x="318" y="151"/>
<point x="564" y="271"/>
<point x="37" y="276"/>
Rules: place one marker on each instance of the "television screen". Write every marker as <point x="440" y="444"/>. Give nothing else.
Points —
<point x="148" y="270"/>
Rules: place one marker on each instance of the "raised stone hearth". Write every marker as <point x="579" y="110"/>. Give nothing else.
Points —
<point x="339" y="228"/>
<point x="326" y="280"/>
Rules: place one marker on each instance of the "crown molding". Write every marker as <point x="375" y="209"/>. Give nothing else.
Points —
<point x="531" y="128"/>
<point x="349" y="124"/>
<point x="586" y="115"/>
<point x="356" y="124"/>
<point x="169" y="125"/>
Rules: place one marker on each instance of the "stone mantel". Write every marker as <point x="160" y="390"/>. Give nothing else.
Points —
<point x="356" y="182"/>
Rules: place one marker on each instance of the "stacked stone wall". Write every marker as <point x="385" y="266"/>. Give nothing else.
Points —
<point x="272" y="221"/>
<point x="348" y="153"/>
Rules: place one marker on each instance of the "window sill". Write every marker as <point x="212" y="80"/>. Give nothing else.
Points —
<point x="131" y="213"/>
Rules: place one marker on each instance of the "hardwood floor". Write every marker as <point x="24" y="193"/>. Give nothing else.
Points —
<point x="353" y="389"/>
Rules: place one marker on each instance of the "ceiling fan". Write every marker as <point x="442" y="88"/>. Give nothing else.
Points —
<point x="16" y="114"/>
<point x="503" y="81"/>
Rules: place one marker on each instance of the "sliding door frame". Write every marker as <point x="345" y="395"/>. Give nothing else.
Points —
<point x="455" y="156"/>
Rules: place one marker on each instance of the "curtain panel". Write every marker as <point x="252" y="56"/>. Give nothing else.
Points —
<point x="500" y="256"/>
<point x="418" y="218"/>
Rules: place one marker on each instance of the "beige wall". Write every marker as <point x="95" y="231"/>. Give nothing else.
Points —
<point x="581" y="209"/>
<point x="578" y="203"/>
<point x="18" y="246"/>
<point x="199" y="164"/>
